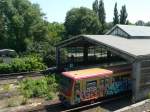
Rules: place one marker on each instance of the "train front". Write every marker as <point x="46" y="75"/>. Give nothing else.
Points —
<point x="66" y="88"/>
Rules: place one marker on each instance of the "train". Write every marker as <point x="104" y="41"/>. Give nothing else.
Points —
<point x="90" y="84"/>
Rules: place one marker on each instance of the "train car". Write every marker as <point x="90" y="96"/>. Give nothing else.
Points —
<point x="91" y="84"/>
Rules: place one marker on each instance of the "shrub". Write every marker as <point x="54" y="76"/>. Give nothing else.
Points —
<point x="22" y="65"/>
<point x="43" y="87"/>
<point x="27" y="64"/>
<point x="5" y="68"/>
<point x="1" y="60"/>
<point x="149" y="95"/>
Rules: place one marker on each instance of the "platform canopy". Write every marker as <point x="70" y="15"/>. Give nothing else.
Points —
<point x="132" y="48"/>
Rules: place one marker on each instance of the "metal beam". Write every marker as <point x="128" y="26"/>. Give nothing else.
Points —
<point x="58" y="58"/>
<point x="70" y="42"/>
<point x="113" y="50"/>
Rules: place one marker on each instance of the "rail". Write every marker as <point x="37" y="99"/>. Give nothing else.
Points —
<point x="29" y="73"/>
<point x="56" y="106"/>
<point x="81" y="108"/>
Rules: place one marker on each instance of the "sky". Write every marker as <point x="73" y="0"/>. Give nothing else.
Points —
<point x="56" y="10"/>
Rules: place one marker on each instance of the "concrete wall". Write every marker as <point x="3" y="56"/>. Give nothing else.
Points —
<point x="141" y="79"/>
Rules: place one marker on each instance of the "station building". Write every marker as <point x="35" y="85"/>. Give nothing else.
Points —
<point x="122" y="44"/>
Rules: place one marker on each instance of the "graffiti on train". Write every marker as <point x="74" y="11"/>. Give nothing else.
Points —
<point x="118" y="87"/>
<point x="106" y="88"/>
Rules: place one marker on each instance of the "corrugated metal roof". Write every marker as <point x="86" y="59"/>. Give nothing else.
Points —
<point x="133" y="47"/>
<point x="136" y="31"/>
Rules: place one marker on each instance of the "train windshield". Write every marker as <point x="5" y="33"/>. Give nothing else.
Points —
<point x="65" y="83"/>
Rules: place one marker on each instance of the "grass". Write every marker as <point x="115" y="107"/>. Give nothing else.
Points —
<point x="6" y="87"/>
<point x="28" y="91"/>
<point x="44" y="87"/>
<point x="16" y="101"/>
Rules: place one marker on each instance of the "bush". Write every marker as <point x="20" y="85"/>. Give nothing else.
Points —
<point x="44" y="87"/>
<point x="1" y="60"/>
<point x="149" y="96"/>
<point x="22" y="65"/>
<point x="27" y="64"/>
<point x="5" y="68"/>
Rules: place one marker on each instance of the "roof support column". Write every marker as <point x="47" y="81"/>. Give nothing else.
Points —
<point x="136" y="73"/>
<point x="108" y="56"/>
<point x="58" y="58"/>
<point x="85" y="53"/>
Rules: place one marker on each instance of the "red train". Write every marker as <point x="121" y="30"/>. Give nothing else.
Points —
<point x="90" y="84"/>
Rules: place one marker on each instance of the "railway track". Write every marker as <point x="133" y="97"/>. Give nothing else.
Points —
<point x="58" y="107"/>
<point x="85" y="107"/>
<point x="26" y="74"/>
<point x="13" y="79"/>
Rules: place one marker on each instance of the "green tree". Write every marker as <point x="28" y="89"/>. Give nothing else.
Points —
<point x="3" y="33"/>
<point x="116" y="16"/>
<point x="123" y="15"/>
<point x="46" y="49"/>
<point x="23" y="23"/>
<point x="140" y="23"/>
<point x="56" y="32"/>
<point x="95" y="6"/>
<point x="147" y="23"/>
<point x="102" y="15"/>
<point x="129" y="23"/>
<point x="81" y="21"/>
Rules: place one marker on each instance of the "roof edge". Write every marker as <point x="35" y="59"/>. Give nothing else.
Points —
<point x="117" y="26"/>
<point x="67" y="40"/>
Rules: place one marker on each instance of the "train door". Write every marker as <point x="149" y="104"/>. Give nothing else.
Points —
<point x="104" y="84"/>
<point x="77" y="92"/>
<point x="90" y="89"/>
<point x="102" y="87"/>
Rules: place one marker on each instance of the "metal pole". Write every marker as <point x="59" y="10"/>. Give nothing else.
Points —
<point x="58" y="58"/>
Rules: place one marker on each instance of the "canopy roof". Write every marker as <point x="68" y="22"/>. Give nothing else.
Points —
<point x="132" y="47"/>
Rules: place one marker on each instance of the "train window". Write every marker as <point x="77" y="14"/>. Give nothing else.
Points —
<point x="91" y="84"/>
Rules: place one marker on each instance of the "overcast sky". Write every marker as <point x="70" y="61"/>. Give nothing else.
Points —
<point x="55" y="10"/>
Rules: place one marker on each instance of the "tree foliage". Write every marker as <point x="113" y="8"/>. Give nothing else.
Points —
<point x="98" y="8"/>
<point x="147" y="23"/>
<point x="140" y="23"/>
<point x="123" y="15"/>
<point x="102" y="14"/>
<point x="81" y="21"/>
<point x="46" y="49"/>
<point x="56" y="32"/>
<point x="23" y="64"/>
<point x="95" y="6"/>
<point x="116" y="16"/>
<point x="21" y="23"/>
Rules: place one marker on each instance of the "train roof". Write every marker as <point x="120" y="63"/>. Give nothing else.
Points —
<point x="87" y="73"/>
